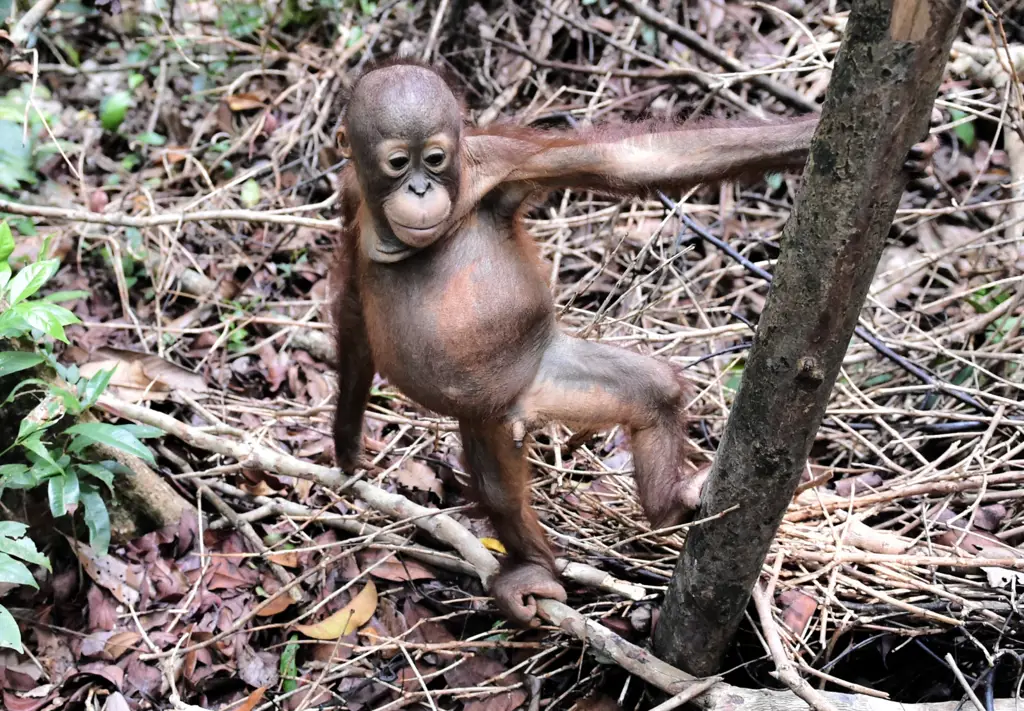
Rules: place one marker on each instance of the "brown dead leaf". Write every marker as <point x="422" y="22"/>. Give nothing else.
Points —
<point x="477" y="669"/>
<point x="260" y="488"/>
<point x="278" y="604"/>
<point x="122" y="580"/>
<point x="142" y="376"/>
<point x="174" y="154"/>
<point x="100" y="608"/>
<point x="28" y="249"/>
<point x="19" y="675"/>
<point x="247" y="101"/>
<point x="374" y="634"/>
<point x="898" y="272"/>
<point x="346" y="620"/>
<point x="257" y="669"/>
<point x="289" y="559"/>
<point x="254" y="698"/>
<point x="988" y="518"/>
<point x="396" y="571"/>
<point x="119" y="644"/>
<point x="417" y="475"/>
<point x="113" y="674"/>
<point x="424" y="628"/>
<point x="797" y="610"/>
<point x="858" y="484"/>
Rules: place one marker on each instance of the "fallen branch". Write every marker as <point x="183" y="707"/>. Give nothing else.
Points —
<point x="170" y="218"/>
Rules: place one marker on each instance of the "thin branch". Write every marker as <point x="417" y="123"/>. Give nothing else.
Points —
<point x="121" y="220"/>
<point x="28" y="21"/>
<point x="785" y="670"/>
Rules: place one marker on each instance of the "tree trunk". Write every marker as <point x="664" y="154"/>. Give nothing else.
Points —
<point x="878" y="104"/>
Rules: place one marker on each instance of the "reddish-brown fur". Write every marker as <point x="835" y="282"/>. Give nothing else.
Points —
<point x="463" y="320"/>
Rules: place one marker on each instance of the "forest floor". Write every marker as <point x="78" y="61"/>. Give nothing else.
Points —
<point x="897" y="567"/>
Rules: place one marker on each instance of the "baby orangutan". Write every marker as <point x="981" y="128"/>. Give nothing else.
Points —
<point x="439" y="288"/>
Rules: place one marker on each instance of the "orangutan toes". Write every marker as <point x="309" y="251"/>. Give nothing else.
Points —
<point x="514" y="591"/>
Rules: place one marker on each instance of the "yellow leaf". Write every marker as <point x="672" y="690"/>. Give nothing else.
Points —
<point x="288" y="559"/>
<point x="346" y="620"/>
<point x="245" y="102"/>
<point x="493" y="544"/>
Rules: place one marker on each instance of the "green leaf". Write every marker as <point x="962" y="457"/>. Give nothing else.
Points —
<point x="13" y="361"/>
<point x="58" y="313"/>
<point x="12" y="529"/>
<point x="144" y="431"/>
<point x="6" y="241"/>
<point x="135" y="80"/>
<point x="35" y="445"/>
<point x="24" y="548"/>
<point x="965" y="131"/>
<point x="42" y="321"/>
<point x="5" y="275"/>
<point x="151" y="138"/>
<point x="879" y="379"/>
<point x="10" y="635"/>
<point x="64" y="491"/>
<point x="99" y="472"/>
<point x="250" y="193"/>
<point x="113" y="110"/>
<point x="112" y="436"/>
<point x="14" y="571"/>
<point x="59" y="296"/>
<point x="287" y="666"/>
<point x="97" y="519"/>
<point x="24" y="225"/>
<point x="28" y="280"/>
<point x="95" y="386"/>
<point x="55" y="492"/>
<point x="18" y="476"/>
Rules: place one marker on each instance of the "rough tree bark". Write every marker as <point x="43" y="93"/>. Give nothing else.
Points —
<point x="878" y="104"/>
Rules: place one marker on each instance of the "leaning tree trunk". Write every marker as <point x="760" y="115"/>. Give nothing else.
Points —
<point x="878" y="104"/>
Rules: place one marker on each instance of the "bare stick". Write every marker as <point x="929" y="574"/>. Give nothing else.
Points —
<point x="172" y="218"/>
<point x="785" y="670"/>
<point x="963" y="682"/>
<point x="28" y="22"/>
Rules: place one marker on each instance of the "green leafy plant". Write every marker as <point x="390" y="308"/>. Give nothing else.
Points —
<point x="16" y="549"/>
<point x="50" y="448"/>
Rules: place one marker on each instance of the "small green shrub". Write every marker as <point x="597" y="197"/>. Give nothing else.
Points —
<point x="50" y="448"/>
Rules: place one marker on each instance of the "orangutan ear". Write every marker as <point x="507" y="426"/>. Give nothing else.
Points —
<point x="341" y="140"/>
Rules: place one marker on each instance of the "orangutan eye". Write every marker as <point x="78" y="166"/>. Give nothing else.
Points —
<point x="435" y="158"/>
<point x="398" y="161"/>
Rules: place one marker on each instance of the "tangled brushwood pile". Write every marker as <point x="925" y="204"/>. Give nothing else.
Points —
<point x="182" y="157"/>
